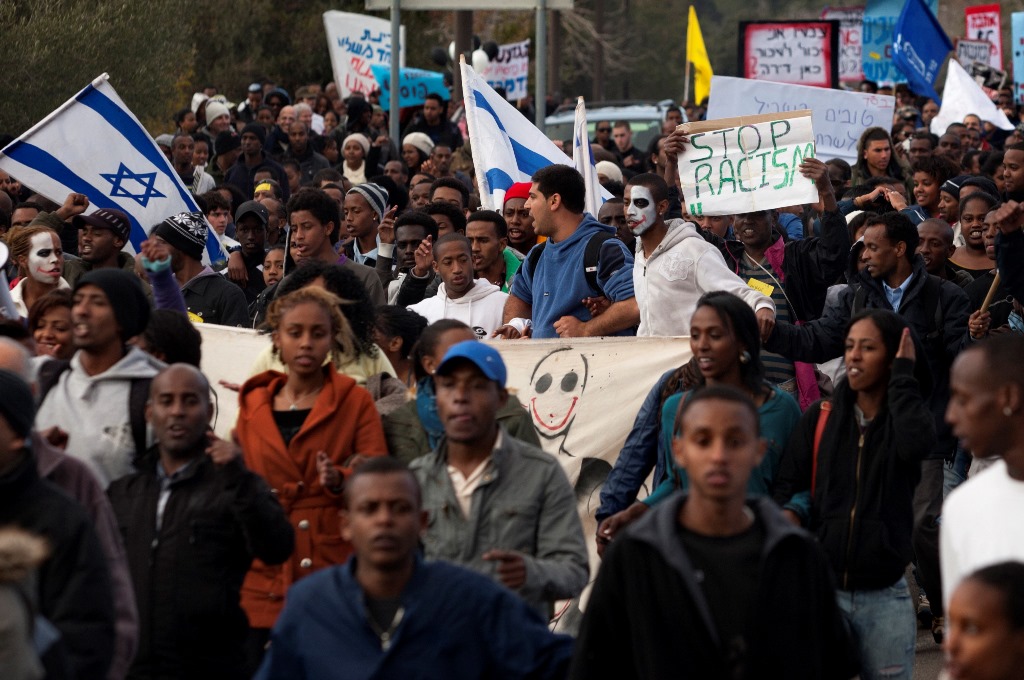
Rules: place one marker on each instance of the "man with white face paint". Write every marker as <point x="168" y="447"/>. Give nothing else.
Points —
<point x="674" y="265"/>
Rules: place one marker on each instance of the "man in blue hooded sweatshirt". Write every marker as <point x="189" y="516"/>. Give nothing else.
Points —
<point x="551" y="290"/>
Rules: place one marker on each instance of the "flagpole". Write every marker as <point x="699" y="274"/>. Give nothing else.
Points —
<point x="28" y="133"/>
<point x="469" y="105"/>
<point x="686" y="81"/>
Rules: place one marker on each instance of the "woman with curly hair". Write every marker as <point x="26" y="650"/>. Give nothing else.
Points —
<point x="364" y="358"/>
<point x="303" y="431"/>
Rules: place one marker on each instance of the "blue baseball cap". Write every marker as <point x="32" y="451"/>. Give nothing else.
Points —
<point x="482" y="355"/>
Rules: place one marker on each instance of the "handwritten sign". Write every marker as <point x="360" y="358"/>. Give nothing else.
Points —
<point x="851" y="25"/>
<point x="972" y="51"/>
<point x="739" y="165"/>
<point x="983" y="23"/>
<point x="839" y="117"/>
<point x="877" y="37"/>
<point x="802" y="53"/>
<point x="510" y="69"/>
<point x="414" y="85"/>
<point x="356" y="42"/>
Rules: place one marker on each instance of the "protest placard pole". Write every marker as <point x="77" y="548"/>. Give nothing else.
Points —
<point x="396" y="49"/>
<point x="541" y="68"/>
<point x="991" y="293"/>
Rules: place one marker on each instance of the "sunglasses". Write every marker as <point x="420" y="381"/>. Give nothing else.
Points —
<point x="604" y="129"/>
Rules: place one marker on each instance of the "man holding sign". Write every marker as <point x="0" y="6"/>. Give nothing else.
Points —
<point x="771" y="164"/>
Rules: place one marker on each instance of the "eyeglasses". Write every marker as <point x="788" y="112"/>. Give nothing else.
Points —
<point x="604" y="129"/>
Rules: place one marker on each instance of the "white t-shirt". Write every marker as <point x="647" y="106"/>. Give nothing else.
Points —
<point x="982" y="524"/>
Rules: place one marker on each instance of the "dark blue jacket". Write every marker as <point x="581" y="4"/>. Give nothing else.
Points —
<point x="456" y="624"/>
<point x="638" y="456"/>
<point x="559" y="284"/>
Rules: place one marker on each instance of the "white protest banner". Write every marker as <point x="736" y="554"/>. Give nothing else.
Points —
<point x="586" y="415"/>
<point x="851" y="44"/>
<point x="583" y="396"/>
<point x="804" y="52"/>
<point x="839" y="117"/>
<point x="510" y="69"/>
<point x="983" y="23"/>
<point x="748" y="163"/>
<point x="356" y="42"/>
<point x="972" y="51"/>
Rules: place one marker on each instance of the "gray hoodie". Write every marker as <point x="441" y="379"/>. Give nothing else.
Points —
<point x="93" y="410"/>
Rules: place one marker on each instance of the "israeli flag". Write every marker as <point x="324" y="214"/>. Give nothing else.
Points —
<point x="94" y="145"/>
<point x="583" y="160"/>
<point x="507" y="148"/>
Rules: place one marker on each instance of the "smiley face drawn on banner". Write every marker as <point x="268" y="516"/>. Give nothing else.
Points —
<point x="556" y="387"/>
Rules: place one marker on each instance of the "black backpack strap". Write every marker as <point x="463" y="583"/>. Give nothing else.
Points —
<point x="48" y="375"/>
<point x="592" y="259"/>
<point x="137" y="398"/>
<point x="534" y="257"/>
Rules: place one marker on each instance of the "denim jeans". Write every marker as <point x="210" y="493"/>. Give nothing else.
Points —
<point x="884" y="628"/>
<point x="955" y="471"/>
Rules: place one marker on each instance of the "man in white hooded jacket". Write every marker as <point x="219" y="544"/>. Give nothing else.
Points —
<point x="674" y="265"/>
<point x="476" y="302"/>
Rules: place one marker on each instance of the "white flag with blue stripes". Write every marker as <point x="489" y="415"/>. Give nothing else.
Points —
<point x="583" y="159"/>
<point x="507" y="148"/>
<point x="94" y="145"/>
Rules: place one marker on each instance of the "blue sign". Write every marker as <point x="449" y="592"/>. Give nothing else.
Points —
<point x="414" y="85"/>
<point x="880" y="18"/>
<point x="1018" y="56"/>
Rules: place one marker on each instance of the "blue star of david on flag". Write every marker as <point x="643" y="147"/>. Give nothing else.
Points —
<point x="139" y="179"/>
<point x="146" y="180"/>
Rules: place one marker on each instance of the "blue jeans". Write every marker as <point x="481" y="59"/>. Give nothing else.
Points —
<point x="885" y="630"/>
<point x="955" y="472"/>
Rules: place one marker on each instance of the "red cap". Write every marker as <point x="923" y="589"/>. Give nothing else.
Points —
<point x="517" y="190"/>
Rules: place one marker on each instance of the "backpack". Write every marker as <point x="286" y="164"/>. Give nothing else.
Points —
<point x="138" y="395"/>
<point x="591" y="258"/>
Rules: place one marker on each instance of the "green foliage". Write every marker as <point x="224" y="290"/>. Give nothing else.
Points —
<point x="54" y="48"/>
<point x="159" y="52"/>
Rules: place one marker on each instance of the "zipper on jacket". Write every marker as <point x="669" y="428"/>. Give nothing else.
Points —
<point x="853" y="511"/>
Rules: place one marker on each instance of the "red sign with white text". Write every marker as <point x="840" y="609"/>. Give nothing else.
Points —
<point x="983" y="23"/>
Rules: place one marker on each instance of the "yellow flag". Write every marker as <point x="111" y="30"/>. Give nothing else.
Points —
<point x="697" y="55"/>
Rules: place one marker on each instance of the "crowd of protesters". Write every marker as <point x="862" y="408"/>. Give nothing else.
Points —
<point x="849" y="429"/>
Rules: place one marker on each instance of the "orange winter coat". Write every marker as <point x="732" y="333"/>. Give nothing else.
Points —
<point x="343" y="422"/>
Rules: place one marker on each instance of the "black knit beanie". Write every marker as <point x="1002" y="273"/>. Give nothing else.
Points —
<point x="126" y="296"/>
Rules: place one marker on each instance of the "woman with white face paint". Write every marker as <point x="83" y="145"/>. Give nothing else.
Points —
<point x="37" y="252"/>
